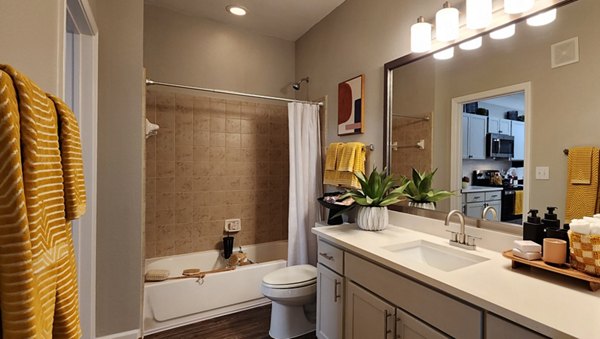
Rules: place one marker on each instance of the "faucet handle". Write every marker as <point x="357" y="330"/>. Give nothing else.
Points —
<point x="471" y="240"/>
<point x="453" y="235"/>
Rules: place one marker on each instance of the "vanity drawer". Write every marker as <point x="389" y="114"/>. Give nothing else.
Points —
<point x="476" y="197"/>
<point x="447" y="314"/>
<point x="331" y="256"/>
<point x="494" y="195"/>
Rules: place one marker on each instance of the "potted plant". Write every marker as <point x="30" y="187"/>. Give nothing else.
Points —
<point x="375" y="194"/>
<point x="419" y="191"/>
<point x="465" y="182"/>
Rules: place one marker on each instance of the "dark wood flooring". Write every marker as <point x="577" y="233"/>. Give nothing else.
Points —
<point x="250" y="324"/>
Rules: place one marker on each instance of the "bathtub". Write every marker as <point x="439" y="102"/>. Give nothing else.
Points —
<point x="173" y="303"/>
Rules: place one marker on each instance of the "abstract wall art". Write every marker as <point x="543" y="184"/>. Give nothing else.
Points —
<point x="351" y="106"/>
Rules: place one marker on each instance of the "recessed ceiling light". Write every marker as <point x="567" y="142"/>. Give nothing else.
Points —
<point x="236" y="10"/>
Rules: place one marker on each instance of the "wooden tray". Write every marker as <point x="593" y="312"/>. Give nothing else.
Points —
<point x="594" y="282"/>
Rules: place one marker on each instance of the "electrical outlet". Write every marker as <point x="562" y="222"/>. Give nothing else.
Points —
<point x="542" y="173"/>
<point x="233" y="225"/>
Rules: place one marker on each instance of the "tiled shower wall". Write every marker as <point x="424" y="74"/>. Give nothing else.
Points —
<point x="407" y="132"/>
<point x="214" y="159"/>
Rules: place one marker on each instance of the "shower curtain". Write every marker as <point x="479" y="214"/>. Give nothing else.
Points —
<point x="305" y="182"/>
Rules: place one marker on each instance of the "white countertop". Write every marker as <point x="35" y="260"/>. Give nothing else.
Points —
<point x="548" y="303"/>
<point x="478" y="189"/>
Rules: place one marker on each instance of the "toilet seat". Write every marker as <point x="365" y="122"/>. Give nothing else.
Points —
<point x="291" y="277"/>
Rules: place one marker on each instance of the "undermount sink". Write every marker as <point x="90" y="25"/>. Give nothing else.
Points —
<point x="434" y="255"/>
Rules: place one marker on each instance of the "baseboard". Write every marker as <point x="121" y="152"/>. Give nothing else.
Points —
<point x="133" y="334"/>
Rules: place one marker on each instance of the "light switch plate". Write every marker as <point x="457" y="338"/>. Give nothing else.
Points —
<point x="542" y="173"/>
<point x="233" y="225"/>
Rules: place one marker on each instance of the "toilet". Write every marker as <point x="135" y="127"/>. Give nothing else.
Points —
<point x="293" y="292"/>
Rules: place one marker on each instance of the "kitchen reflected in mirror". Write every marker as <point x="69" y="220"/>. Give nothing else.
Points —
<point x="559" y="108"/>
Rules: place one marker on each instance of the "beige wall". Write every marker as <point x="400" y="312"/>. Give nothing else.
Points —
<point x="32" y="40"/>
<point x="120" y="165"/>
<point x="214" y="159"/>
<point x="204" y="53"/>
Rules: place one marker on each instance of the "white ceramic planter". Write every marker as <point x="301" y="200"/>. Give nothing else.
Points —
<point x="424" y="205"/>
<point x="372" y="218"/>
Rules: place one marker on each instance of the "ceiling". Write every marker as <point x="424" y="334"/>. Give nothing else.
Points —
<point x="284" y="19"/>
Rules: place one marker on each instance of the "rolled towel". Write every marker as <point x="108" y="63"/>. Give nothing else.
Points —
<point x="595" y="229"/>
<point x="597" y="216"/>
<point x="580" y="226"/>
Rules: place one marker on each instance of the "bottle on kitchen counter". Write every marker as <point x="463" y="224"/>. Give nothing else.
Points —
<point x="533" y="229"/>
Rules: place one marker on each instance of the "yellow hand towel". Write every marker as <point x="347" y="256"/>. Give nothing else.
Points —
<point x="347" y="159"/>
<point x="582" y="200"/>
<point x="580" y="165"/>
<point x="518" y="208"/>
<point x="332" y="154"/>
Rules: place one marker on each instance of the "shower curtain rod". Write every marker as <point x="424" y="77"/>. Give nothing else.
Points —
<point x="220" y="91"/>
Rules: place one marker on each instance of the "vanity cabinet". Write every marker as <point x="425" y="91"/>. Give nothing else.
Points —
<point x="367" y="316"/>
<point x="330" y="292"/>
<point x="518" y="132"/>
<point x="474" y="131"/>
<point x="499" y="328"/>
<point x="498" y="125"/>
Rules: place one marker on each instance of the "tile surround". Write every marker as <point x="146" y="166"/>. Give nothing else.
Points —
<point x="214" y="159"/>
<point x="407" y="132"/>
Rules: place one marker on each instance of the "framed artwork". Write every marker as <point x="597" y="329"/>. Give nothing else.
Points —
<point x="351" y="106"/>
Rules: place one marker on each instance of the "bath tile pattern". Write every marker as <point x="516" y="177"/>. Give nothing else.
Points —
<point x="407" y="132"/>
<point x="214" y="159"/>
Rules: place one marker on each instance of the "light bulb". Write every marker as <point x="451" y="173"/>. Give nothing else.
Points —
<point x="446" y="23"/>
<point x="517" y="6"/>
<point x="420" y="36"/>
<point x="446" y="54"/>
<point x="236" y="10"/>
<point x="503" y="33"/>
<point x="543" y="18"/>
<point x="479" y="13"/>
<point x="471" y="44"/>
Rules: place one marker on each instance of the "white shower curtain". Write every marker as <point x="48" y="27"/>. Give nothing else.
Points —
<point x="305" y="182"/>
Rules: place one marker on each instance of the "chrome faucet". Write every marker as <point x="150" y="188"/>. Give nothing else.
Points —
<point x="488" y="209"/>
<point x="460" y="239"/>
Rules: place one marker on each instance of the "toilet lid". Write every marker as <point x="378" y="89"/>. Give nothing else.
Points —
<point x="291" y="275"/>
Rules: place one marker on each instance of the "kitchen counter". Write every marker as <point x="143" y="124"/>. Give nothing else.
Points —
<point x="547" y="303"/>
<point x="479" y="189"/>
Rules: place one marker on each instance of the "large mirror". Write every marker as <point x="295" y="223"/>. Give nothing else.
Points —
<point x="538" y="89"/>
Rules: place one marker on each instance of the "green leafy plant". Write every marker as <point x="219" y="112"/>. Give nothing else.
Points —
<point x="378" y="190"/>
<point x="419" y="188"/>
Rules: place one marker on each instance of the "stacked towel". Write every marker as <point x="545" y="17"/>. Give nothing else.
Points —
<point x="348" y="158"/>
<point x="587" y="225"/>
<point x="527" y="249"/>
<point x="582" y="182"/>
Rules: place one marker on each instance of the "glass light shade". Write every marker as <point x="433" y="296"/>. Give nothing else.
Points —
<point x="446" y="24"/>
<point x="236" y="10"/>
<point x="479" y="13"/>
<point x="517" y="6"/>
<point x="420" y="37"/>
<point x="446" y="54"/>
<point x="543" y="18"/>
<point x="503" y="33"/>
<point x="471" y="44"/>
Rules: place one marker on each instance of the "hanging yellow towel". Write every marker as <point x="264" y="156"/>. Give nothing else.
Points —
<point x="582" y="199"/>
<point x="352" y="160"/>
<point x="38" y="278"/>
<point x="332" y="154"/>
<point x="518" y="208"/>
<point x="580" y="165"/>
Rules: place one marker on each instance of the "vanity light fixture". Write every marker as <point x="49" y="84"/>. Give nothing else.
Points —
<point x="471" y="44"/>
<point x="446" y="54"/>
<point x="479" y="13"/>
<point x="236" y="10"/>
<point x="503" y="33"/>
<point x="446" y="23"/>
<point x="517" y="6"/>
<point x="543" y="18"/>
<point x="420" y="36"/>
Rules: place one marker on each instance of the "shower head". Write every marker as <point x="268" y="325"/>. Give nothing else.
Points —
<point x="296" y="85"/>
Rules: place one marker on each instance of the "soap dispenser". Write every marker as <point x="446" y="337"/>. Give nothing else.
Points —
<point x="533" y="229"/>
<point x="551" y="219"/>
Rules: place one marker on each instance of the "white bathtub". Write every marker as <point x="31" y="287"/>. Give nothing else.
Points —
<point x="173" y="303"/>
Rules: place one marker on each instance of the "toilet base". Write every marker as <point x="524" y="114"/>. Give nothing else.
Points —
<point x="289" y="321"/>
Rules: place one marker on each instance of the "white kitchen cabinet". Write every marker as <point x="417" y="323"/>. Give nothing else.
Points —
<point x="499" y="328"/>
<point x="474" y="131"/>
<point x="367" y="316"/>
<point x="476" y="202"/>
<point x="498" y="125"/>
<point x="330" y="303"/>
<point x="409" y="327"/>
<point x="474" y="209"/>
<point x="518" y="132"/>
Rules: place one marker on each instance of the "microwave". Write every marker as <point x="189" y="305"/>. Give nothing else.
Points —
<point x="500" y="145"/>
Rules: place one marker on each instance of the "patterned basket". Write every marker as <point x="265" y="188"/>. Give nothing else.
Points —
<point x="585" y="252"/>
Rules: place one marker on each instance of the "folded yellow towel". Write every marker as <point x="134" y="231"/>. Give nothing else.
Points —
<point x="350" y="156"/>
<point x="518" y="208"/>
<point x="332" y="153"/>
<point x="582" y="200"/>
<point x="580" y="165"/>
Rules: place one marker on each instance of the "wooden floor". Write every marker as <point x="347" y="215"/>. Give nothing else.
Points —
<point x="250" y="324"/>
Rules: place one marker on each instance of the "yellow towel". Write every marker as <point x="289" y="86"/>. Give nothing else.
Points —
<point x="580" y="165"/>
<point x="332" y="153"/>
<point x="582" y="200"/>
<point x="38" y="278"/>
<point x="346" y="160"/>
<point x="350" y="158"/>
<point x="518" y="208"/>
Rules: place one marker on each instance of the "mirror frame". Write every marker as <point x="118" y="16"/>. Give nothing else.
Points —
<point x="390" y="66"/>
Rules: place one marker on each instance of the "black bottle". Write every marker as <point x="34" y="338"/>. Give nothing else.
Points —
<point x="533" y="229"/>
<point x="550" y="219"/>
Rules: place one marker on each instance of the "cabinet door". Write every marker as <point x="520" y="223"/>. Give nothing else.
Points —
<point x="465" y="136"/>
<point x="330" y="304"/>
<point x="474" y="209"/>
<point x="497" y="205"/>
<point x="367" y="316"/>
<point x="493" y="125"/>
<point x="498" y="328"/>
<point x="503" y="126"/>
<point x="409" y="327"/>
<point x="518" y="132"/>
<point x="476" y="137"/>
